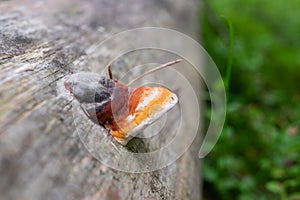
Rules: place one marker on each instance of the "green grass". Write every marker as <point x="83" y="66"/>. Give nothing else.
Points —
<point x="257" y="155"/>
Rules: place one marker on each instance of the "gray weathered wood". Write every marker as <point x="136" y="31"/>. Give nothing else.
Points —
<point x="41" y="156"/>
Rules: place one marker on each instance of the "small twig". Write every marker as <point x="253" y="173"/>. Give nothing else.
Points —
<point x="155" y="69"/>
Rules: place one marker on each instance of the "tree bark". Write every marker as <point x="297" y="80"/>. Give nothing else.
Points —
<point x="41" y="156"/>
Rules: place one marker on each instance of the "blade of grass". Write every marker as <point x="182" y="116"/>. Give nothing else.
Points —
<point x="230" y="57"/>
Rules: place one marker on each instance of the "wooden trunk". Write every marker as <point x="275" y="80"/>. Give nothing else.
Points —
<point x="41" y="156"/>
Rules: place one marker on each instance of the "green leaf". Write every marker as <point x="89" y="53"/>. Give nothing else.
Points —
<point x="274" y="186"/>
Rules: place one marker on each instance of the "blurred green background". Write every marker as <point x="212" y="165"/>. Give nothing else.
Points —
<point x="258" y="153"/>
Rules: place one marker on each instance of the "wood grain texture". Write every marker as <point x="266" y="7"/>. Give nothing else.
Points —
<point x="41" y="156"/>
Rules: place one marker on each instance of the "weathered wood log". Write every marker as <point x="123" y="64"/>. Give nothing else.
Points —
<point x="41" y="156"/>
